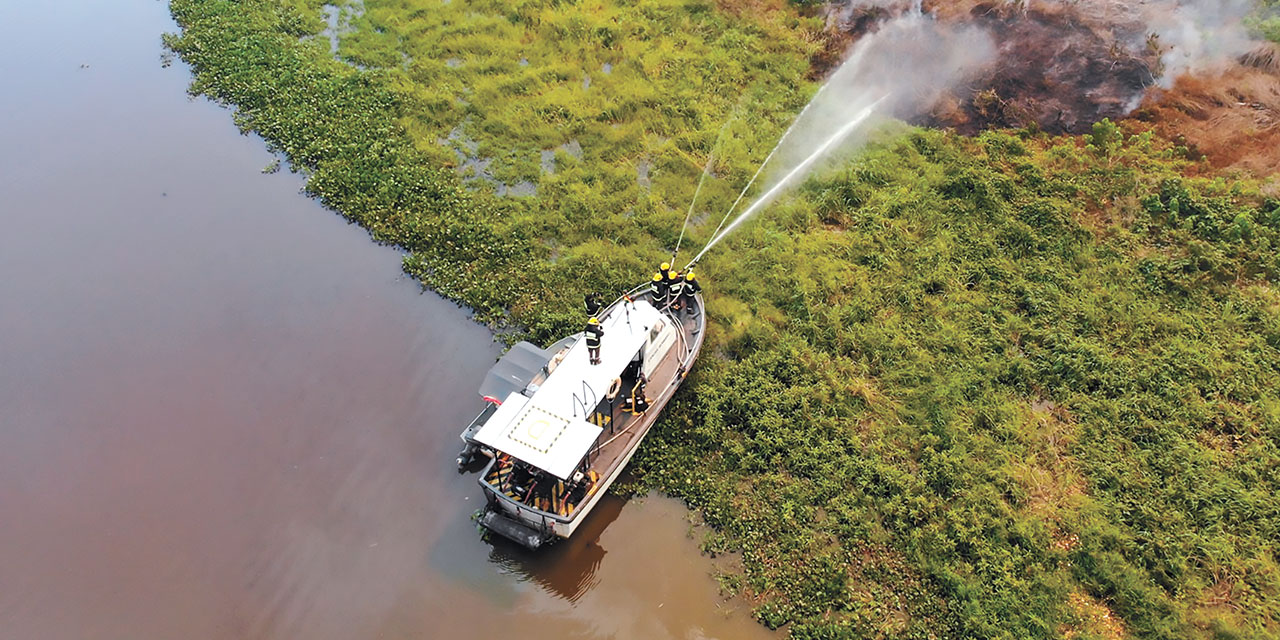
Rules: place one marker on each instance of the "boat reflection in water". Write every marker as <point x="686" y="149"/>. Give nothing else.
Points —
<point x="624" y="574"/>
<point x="568" y="569"/>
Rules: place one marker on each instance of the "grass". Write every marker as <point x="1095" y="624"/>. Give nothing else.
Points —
<point x="1009" y="386"/>
<point x="988" y="378"/>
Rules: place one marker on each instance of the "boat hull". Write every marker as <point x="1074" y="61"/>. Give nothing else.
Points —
<point x="534" y="528"/>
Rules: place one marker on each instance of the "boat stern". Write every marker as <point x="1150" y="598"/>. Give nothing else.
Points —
<point x="514" y="530"/>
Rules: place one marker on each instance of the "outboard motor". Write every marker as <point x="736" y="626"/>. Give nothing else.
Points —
<point x="517" y="532"/>
<point x="468" y="455"/>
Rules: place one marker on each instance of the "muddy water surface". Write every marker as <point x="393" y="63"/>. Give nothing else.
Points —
<point x="223" y="411"/>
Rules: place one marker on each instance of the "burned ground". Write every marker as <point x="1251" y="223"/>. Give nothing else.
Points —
<point x="1231" y="119"/>
<point x="1064" y="66"/>
<point x="1054" y="72"/>
<point x="1057" y="69"/>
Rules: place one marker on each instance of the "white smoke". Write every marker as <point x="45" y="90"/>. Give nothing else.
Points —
<point x="912" y="58"/>
<point x="1198" y="36"/>
<point x="1190" y="36"/>
<point x="844" y="16"/>
<point x="899" y="70"/>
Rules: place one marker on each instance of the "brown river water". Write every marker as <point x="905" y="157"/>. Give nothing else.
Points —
<point x="224" y="413"/>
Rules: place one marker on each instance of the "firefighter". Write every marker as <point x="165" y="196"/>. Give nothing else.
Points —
<point x="672" y="276"/>
<point x="594" y="331"/>
<point x="592" y="303"/>
<point x="689" y="288"/>
<point x="637" y="403"/>
<point x="676" y="291"/>
<point x="659" y="290"/>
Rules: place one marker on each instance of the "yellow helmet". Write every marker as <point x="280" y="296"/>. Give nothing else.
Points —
<point x="657" y="277"/>
<point x="593" y="320"/>
<point x="666" y="266"/>
<point x="689" y="276"/>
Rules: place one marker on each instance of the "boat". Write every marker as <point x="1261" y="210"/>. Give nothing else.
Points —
<point x="557" y="430"/>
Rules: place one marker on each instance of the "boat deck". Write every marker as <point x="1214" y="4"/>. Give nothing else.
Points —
<point x="622" y="428"/>
<point x="622" y="431"/>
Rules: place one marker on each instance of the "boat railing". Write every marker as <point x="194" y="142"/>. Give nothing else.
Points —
<point x="476" y="423"/>
<point x="520" y="506"/>
<point x="687" y="352"/>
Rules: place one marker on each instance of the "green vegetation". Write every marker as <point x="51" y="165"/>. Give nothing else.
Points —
<point x="1266" y="22"/>
<point x="378" y="141"/>
<point x="971" y="382"/>
<point x="1011" y="386"/>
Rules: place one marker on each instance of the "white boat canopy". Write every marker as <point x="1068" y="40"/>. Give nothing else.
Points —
<point x="549" y="430"/>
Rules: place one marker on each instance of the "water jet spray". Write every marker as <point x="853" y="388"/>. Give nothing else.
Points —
<point x="909" y="62"/>
<point x="770" y="195"/>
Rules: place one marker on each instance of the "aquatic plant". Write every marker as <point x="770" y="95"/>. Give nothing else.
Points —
<point x="983" y="380"/>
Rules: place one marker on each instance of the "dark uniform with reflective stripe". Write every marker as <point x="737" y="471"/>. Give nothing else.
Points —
<point x="592" y="303"/>
<point x="659" y="290"/>
<point x="672" y="278"/>
<point x="594" y="332"/>
<point x="689" y="289"/>
<point x="677" y="291"/>
<point x="637" y="403"/>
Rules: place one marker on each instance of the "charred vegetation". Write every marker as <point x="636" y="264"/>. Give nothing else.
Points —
<point x="1064" y="66"/>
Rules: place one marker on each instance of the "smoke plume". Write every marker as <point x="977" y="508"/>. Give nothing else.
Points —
<point x="1195" y="37"/>
<point x="912" y="58"/>
<point x="1060" y="65"/>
